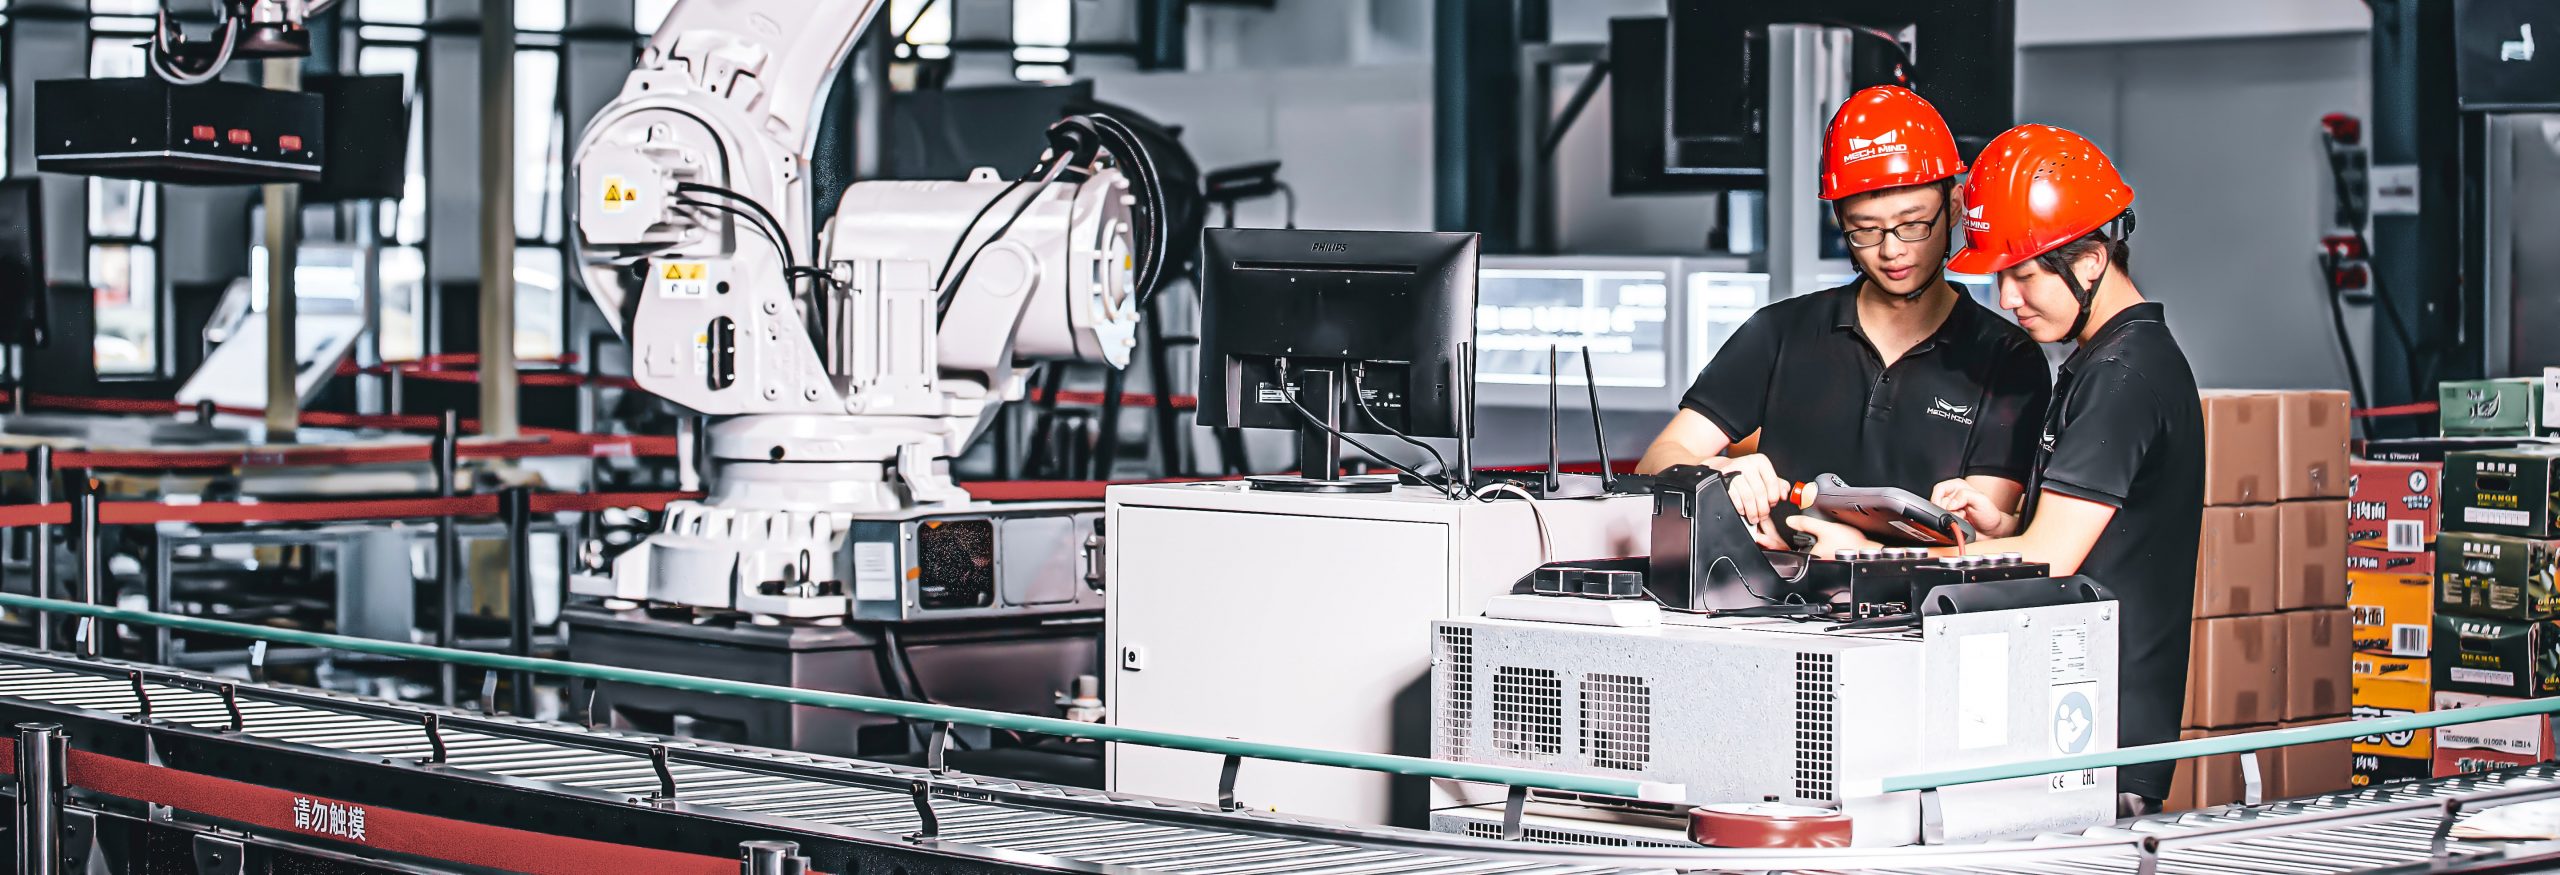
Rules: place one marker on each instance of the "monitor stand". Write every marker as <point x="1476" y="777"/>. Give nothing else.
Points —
<point x="1319" y="449"/>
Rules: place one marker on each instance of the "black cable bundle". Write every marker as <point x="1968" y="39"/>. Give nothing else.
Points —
<point x="1076" y="141"/>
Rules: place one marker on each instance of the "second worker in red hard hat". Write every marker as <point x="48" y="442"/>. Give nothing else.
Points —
<point x="2117" y="490"/>
<point x="1896" y="379"/>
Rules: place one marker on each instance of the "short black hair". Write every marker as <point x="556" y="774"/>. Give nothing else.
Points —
<point x="2119" y="252"/>
<point x="1946" y="192"/>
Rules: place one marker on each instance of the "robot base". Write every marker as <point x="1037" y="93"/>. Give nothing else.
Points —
<point x="1019" y="664"/>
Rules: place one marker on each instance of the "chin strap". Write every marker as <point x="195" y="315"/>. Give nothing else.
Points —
<point x="2086" y="296"/>
<point x="2118" y="228"/>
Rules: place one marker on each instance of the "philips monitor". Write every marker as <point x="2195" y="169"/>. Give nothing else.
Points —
<point x="1335" y="332"/>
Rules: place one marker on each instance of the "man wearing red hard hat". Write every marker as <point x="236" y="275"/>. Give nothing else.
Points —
<point x="2117" y="491"/>
<point x="1896" y="379"/>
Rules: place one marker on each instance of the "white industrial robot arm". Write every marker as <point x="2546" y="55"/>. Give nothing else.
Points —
<point x="844" y="373"/>
<point x="692" y="191"/>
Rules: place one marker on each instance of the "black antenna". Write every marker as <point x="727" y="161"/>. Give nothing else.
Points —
<point x="1465" y="417"/>
<point x="1599" y="435"/>
<point x="1555" y="462"/>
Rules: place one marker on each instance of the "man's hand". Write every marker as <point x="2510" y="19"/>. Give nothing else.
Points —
<point x="1766" y="534"/>
<point x="1755" y="487"/>
<point x="1988" y="519"/>
<point x="1829" y="538"/>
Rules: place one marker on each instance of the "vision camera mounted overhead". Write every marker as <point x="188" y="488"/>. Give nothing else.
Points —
<point x="181" y="126"/>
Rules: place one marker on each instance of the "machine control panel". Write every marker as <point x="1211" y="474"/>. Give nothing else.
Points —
<point x="1894" y="581"/>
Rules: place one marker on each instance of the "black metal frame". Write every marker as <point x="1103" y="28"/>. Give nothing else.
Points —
<point x="484" y="798"/>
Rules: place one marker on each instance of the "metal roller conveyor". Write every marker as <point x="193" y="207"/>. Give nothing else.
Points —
<point x="459" y="771"/>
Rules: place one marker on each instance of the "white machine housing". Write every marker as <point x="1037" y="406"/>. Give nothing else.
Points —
<point x="1743" y="710"/>
<point x="1297" y="618"/>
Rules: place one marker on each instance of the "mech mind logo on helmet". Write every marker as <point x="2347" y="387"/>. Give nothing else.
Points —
<point x="1889" y="123"/>
<point x="1887" y="143"/>
<point x="1973" y="219"/>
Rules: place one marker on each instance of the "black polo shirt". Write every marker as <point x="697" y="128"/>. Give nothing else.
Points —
<point x="1802" y="373"/>
<point x="2127" y="430"/>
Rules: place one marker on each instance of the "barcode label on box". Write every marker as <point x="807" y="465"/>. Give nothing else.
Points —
<point x="2408" y="639"/>
<point x="2484" y="676"/>
<point x="2495" y="517"/>
<point x="2406" y="536"/>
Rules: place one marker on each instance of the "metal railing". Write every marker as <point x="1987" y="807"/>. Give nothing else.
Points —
<point x="2147" y="848"/>
<point x="2243" y="743"/>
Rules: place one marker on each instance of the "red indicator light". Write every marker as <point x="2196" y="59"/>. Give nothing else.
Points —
<point x="203" y="132"/>
<point x="238" y="136"/>
<point x="289" y="143"/>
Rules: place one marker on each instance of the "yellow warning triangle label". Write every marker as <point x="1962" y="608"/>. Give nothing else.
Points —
<point x="618" y="194"/>
<point x="674" y="271"/>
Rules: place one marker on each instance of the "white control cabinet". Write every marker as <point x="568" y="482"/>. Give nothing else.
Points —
<point x="1305" y="619"/>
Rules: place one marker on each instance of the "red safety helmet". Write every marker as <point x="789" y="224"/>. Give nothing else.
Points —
<point x="2035" y="188"/>
<point x="1886" y="137"/>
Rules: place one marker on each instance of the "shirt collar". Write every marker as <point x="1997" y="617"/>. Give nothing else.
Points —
<point x="1844" y="306"/>
<point x="2147" y="311"/>
<point x="1844" y="315"/>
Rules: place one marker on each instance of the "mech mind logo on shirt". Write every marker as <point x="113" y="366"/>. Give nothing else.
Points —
<point x="1861" y="149"/>
<point x="1961" y="414"/>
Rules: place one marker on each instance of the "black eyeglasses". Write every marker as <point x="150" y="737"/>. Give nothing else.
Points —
<point x="1907" y="232"/>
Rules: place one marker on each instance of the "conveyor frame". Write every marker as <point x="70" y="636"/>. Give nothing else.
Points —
<point x="376" y="756"/>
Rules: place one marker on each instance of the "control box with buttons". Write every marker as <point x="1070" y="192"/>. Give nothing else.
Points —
<point x="1893" y="581"/>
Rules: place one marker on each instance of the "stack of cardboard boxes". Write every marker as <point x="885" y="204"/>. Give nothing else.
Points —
<point x="2496" y="638"/>
<point x="2391" y="541"/>
<point x="2451" y="556"/>
<point x="2272" y="635"/>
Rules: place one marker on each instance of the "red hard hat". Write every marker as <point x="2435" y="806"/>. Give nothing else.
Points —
<point x="2035" y="188"/>
<point x="1885" y="137"/>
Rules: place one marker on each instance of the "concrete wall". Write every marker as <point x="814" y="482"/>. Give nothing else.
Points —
<point x="1354" y="141"/>
<point x="2220" y="139"/>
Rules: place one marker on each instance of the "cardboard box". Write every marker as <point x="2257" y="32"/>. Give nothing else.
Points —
<point x="2510" y="407"/>
<point x="2319" y="647"/>
<point x="2311" y="555"/>
<point x="2369" y="770"/>
<point x="2377" y="697"/>
<point x="2391" y="515"/>
<point x="2240" y="459"/>
<point x="2235" y="672"/>
<point x="2311" y="444"/>
<point x="2311" y="769"/>
<point x="2449" y="763"/>
<point x="2393" y="614"/>
<point x="2504" y="492"/>
<point x="2236" y="562"/>
<point x="2513" y="658"/>
<point x="2497" y="576"/>
<point x="2205" y="782"/>
<point x="2529" y="735"/>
